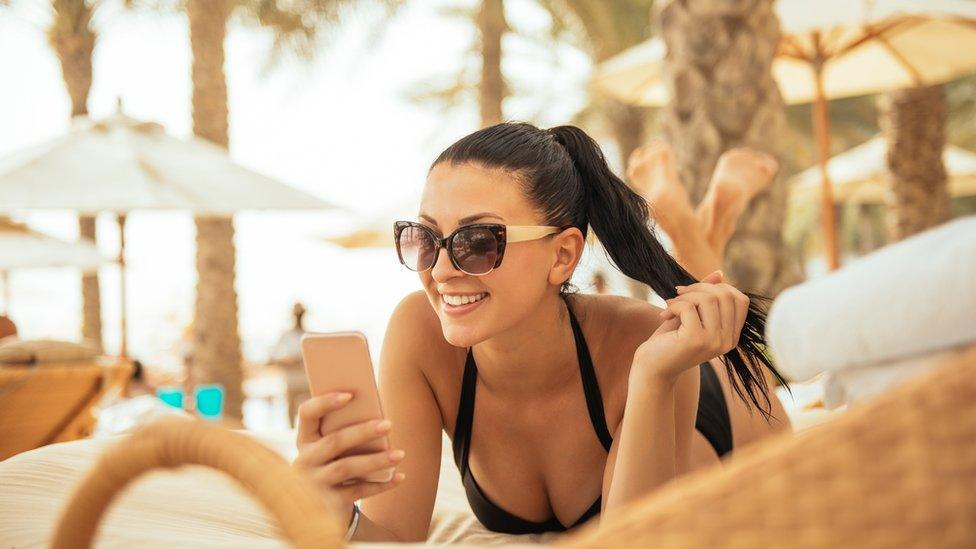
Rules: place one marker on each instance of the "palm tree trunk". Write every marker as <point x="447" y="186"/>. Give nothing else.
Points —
<point x="914" y="123"/>
<point x="217" y="346"/>
<point x="719" y="63"/>
<point x="491" y="91"/>
<point x="73" y="40"/>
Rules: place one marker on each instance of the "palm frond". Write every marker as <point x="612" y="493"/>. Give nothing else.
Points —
<point x="299" y="26"/>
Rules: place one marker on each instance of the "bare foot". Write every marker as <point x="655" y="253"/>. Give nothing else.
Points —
<point x="651" y="170"/>
<point x="740" y="175"/>
<point x="653" y="173"/>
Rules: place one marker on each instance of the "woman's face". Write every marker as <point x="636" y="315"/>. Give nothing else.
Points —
<point x="458" y="195"/>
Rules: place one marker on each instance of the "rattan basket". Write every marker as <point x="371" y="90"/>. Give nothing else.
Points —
<point x="302" y="512"/>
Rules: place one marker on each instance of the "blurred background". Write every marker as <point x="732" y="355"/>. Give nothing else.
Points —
<point x="115" y="117"/>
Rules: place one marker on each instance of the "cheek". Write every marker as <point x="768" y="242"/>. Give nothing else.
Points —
<point x="517" y="286"/>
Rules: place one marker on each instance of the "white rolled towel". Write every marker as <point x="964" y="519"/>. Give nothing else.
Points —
<point x="909" y="298"/>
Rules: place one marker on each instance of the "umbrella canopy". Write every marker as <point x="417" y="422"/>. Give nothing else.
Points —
<point x="864" y="47"/>
<point x="21" y="248"/>
<point x="859" y="175"/>
<point x="120" y="164"/>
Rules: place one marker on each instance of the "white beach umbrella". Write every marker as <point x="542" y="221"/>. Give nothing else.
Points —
<point x="23" y="248"/>
<point x="831" y="49"/>
<point x="860" y="175"/>
<point x="119" y="164"/>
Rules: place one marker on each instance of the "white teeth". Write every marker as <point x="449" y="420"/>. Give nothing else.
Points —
<point x="458" y="300"/>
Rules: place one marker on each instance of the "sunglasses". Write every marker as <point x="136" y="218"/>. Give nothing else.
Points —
<point x="474" y="249"/>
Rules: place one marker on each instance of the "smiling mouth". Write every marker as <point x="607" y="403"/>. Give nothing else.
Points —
<point x="461" y="300"/>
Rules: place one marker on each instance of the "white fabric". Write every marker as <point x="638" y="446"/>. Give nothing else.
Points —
<point x="193" y="506"/>
<point x="858" y="384"/>
<point x="120" y="164"/>
<point x="21" y="247"/>
<point x="908" y="299"/>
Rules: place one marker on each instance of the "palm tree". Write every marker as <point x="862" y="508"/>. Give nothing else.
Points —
<point x="491" y="89"/>
<point x="914" y="123"/>
<point x="217" y="347"/>
<point x="73" y="40"/>
<point x="719" y="61"/>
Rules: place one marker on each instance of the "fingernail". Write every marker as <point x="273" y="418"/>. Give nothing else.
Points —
<point x="396" y="455"/>
<point x="342" y="397"/>
<point x="383" y="426"/>
<point x="680" y="287"/>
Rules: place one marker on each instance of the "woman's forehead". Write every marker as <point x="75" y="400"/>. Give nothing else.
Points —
<point x="456" y="192"/>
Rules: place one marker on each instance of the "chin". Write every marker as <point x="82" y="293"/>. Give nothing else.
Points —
<point x="462" y="332"/>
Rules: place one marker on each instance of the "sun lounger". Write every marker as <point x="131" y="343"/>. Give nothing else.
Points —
<point x="50" y="402"/>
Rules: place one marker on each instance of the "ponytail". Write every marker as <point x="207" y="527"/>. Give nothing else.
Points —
<point x="567" y="176"/>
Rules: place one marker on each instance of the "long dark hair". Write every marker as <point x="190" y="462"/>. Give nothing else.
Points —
<point x="563" y="171"/>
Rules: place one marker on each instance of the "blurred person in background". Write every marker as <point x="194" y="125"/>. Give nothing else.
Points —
<point x="287" y="354"/>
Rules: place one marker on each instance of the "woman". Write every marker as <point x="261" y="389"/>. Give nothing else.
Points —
<point x="584" y="402"/>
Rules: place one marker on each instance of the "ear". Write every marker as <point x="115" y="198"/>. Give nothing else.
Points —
<point x="568" y="246"/>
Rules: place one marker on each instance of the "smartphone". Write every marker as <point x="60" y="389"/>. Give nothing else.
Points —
<point x="339" y="362"/>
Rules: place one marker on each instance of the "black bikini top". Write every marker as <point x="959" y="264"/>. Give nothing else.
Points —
<point x="490" y="514"/>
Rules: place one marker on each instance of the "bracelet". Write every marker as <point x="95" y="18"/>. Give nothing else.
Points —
<point x="353" y="521"/>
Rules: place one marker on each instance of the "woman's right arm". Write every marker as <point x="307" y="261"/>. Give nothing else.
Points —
<point x="404" y="513"/>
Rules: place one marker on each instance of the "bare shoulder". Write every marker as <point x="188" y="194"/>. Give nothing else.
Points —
<point x="620" y="318"/>
<point x="614" y="326"/>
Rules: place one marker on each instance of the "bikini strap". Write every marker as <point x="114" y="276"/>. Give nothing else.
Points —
<point x="591" y="387"/>
<point x="465" y="414"/>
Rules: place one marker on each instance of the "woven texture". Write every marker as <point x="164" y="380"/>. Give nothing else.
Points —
<point x="898" y="471"/>
<point x="52" y="402"/>
<point x="19" y="351"/>
<point x="288" y="496"/>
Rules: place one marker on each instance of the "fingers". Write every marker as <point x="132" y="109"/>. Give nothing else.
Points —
<point x="311" y="412"/>
<point x="362" y="490"/>
<point x="337" y="443"/>
<point x="723" y="300"/>
<point x="732" y="307"/>
<point x="687" y="313"/>
<point x="355" y="467"/>
<point x="708" y="307"/>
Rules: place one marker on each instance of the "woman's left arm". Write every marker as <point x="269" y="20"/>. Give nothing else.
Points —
<point x="653" y="441"/>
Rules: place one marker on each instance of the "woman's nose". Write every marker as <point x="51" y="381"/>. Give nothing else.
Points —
<point x="444" y="269"/>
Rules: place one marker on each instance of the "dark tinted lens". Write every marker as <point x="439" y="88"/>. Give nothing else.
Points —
<point x="475" y="250"/>
<point x="416" y="248"/>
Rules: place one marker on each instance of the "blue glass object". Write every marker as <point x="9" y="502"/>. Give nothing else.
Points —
<point x="210" y="401"/>
<point x="171" y="395"/>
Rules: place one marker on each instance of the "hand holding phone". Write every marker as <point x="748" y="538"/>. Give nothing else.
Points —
<point x="342" y="435"/>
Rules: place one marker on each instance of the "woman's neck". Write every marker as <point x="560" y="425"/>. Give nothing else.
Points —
<point x="535" y="357"/>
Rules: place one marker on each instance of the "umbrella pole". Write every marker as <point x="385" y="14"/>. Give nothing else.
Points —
<point x="123" y="339"/>
<point x="821" y="127"/>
